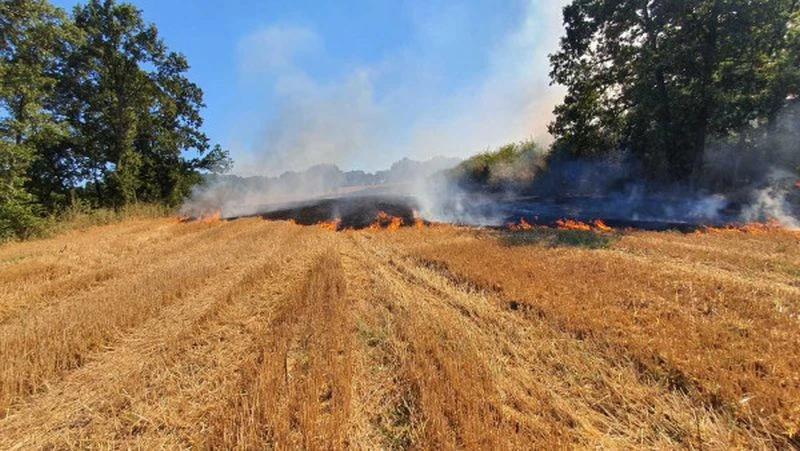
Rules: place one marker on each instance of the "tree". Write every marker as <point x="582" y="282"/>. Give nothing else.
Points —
<point x="662" y="77"/>
<point x="134" y="110"/>
<point x="34" y="37"/>
<point x="93" y="107"/>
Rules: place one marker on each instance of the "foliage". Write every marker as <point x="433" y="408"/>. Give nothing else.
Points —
<point x="32" y="44"/>
<point x="551" y="237"/>
<point x="94" y="109"/>
<point x="663" y="77"/>
<point x="504" y="167"/>
<point x="136" y="110"/>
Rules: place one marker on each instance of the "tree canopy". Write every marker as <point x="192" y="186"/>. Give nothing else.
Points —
<point x="94" y="108"/>
<point x="663" y="77"/>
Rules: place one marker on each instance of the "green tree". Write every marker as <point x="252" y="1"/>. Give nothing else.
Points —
<point x="662" y="77"/>
<point x="134" y="110"/>
<point x="34" y="38"/>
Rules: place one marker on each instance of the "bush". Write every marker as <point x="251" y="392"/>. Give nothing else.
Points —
<point x="81" y="215"/>
<point x="18" y="221"/>
<point x="507" y="167"/>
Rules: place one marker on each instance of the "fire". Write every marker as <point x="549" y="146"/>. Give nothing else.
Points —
<point x="601" y="226"/>
<point x="597" y="225"/>
<point x="419" y="223"/>
<point x="213" y="217"/>
<point x="332" y="224"/>
<point x="384" y="220"/>
<point x="205" y="218"/>
<point x="752" y="228"/>
<point x="521" y="225"/>
<point x="572" y="224"/>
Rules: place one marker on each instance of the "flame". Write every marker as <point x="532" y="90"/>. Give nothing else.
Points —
<point x="213" y="217"/>
<point x="521" y="225"/>
<point x="205" y="217"/>
<point x="419" y="223"/>
<point x="601" y="226"/>
<point x="386" y="221"/>
<point x="572" y="224"/>
<point x="597" y="225"/>
<point x="752" y="228"/>
<point x="332" y="224"/>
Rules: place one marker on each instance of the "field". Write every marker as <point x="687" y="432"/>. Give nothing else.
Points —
<point x="259" y="334"/>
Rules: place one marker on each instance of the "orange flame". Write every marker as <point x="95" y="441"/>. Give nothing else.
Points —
<point x="332" y="224"/>
<point x="597" y="225"/>
<point x="205" y="218"/>
<point x="386" y="221"/>
<point x="601" y="226"/>
<point x="752" y="228"/>
<point x="419" y="223"/>
<point x="521" y="225"/>
<point x="571" y="224"/>
<point x="213" y="217"/>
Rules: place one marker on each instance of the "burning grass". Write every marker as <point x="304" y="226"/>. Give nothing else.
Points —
<point x="564" y="232"/>
<point x="382" y="221"/>
<point x="558" y="237"/>
<point x="752" y="228"/>
<point x="247" y="334"/>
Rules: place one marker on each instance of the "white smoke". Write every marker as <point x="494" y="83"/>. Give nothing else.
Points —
<point x="771" y="202"/>
<point x="380" y="111"/>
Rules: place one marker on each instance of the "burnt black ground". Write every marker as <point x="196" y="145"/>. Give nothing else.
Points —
<point x="360" y="211"/>
<point x="355" y="212"/>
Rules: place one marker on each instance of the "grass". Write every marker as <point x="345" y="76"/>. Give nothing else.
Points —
<point x="147" y="333"/>
<point x="502" y="167"/>
<point x="80" y="218"/>
<point x="558" y="238"/>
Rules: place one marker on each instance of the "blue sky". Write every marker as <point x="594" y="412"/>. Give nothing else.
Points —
<point x="361" y="84"/>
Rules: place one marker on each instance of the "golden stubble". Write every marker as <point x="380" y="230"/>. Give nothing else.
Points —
<point x="250" y="334"/>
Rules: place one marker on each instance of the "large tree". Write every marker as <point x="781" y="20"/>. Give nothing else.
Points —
<point x="134" y="110"/>
<point x="93" y="107"/>
<point x="662" y="77"/>
<point x="34" y="40"/>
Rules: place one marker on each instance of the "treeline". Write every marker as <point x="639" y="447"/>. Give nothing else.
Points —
<point x="95" y="111"/>
<point x="241" y="194"/>
<point x="667" y="79"/>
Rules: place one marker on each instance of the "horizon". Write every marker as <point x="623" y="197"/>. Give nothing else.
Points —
<point x="289" y="86"/>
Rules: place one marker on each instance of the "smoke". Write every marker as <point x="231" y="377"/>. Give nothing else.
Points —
<point x="752" y="176"/>
<point x="773" y="202"/>
<point x="411" y="101"/>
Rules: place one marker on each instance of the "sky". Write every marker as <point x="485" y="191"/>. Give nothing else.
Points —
<point x="360" y="83"/>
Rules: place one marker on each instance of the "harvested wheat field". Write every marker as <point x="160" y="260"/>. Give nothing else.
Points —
<point x="256" y="334"/>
